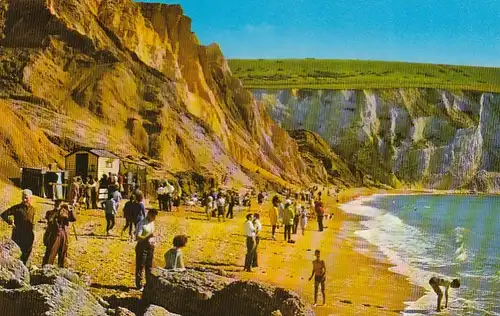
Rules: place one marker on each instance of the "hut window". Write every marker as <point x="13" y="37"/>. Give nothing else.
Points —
<point x="109" y="163"/>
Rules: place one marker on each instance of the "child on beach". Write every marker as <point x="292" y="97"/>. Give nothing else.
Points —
<point x="319" y="273"/>
<point x="436" y="283"/>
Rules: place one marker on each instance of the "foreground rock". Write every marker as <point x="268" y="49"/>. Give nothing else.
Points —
<point x="13" y="273"/>
<point x="191" y="293"/>
<point x="52" y="291"/>
<point x="186" y="293"/>
<point x="154" y="310"/>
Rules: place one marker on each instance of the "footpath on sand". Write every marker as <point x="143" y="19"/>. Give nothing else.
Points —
<point x="355" y="283"/>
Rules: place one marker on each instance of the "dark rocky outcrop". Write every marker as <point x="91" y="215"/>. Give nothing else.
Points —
<point x="154" y="310"/>
<point x="247" y="298"/>
<point x="52" y="291"/>
<point x="191" y="293"/>
<point x="186" y="293"/>
<point x="13" y="273"/>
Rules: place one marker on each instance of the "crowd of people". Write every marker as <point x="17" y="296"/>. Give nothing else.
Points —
<point x="291" y="213"/>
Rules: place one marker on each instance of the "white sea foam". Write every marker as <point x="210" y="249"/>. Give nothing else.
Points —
<point x="406" y="247"/>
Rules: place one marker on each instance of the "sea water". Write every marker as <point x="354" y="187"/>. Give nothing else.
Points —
<point x="448" y="236"/>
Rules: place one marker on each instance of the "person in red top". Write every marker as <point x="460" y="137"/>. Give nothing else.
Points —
<point x="23" y="224"/>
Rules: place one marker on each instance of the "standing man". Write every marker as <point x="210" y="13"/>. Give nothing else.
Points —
<point x="161" y="197"/>
<point x="296" y="218"/>
<point x="258" y="228"/>
<point x="221" y="206"/>
<point x="231" y="203"/>
<point x="23" y="224"/>
<point x="144" y="250"/>
<point x="169" y="193"/>
<point x="274" y="216"/>
<point x="319" y="273"/>
<point x="250" y="235"/>
<point x="320" y="212"/>
<point x="288" y="216"/>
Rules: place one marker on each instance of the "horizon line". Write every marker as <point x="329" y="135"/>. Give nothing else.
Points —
<point x="365" y="60"/>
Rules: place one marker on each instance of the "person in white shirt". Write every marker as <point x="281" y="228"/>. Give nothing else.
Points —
<point x="250" y="238"/>
<point x="144" y="250"/>
<point x="209" y="206"/>
<point x="303" y="219"/>
<point x="221" y="206"/>
<point x="169" y="194"/>
<point x="258" y="228"/>
<point x="160" y="193"/>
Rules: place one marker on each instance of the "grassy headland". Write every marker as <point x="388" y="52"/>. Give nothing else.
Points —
<point x="357" y="74"/>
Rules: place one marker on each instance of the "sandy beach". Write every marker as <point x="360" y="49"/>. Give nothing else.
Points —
<point x="356" y="284"/>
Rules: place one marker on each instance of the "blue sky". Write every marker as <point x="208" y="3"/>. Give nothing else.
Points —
<point x="436" y="31"/>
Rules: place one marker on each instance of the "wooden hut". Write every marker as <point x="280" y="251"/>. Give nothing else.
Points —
<point x="91" y="162"/>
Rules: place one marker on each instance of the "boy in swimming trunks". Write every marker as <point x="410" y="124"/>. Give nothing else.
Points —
<point x="319" y="272"/>
<point x="436" y="283"/>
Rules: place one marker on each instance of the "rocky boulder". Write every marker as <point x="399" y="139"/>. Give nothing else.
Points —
<point x="186" y="293"/>
<point x="191" y="293"/>
<point x="52" y="291"/>
<point x="252" y="298"/>
<point x="154" y="310"/>
<point x="50" y="273"/>
<point x="13" y="273"/>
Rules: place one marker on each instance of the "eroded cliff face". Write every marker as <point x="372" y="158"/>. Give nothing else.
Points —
<point x="424" y="137"/>
<point x="132" y="78"/>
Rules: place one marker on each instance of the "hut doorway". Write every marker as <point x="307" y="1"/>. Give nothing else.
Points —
<point x="82" y="165"/>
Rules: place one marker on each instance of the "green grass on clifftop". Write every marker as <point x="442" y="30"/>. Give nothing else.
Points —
<point x="357" y="74"/>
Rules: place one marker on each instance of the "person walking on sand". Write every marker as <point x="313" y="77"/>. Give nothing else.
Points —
<point x="23" y="224"/>
<point x="130" y="213"/>
<point x="436" y="283"/>
<point x="250" y="242"/>
<point x="110" y="211"/>
<point x="173" y="258"/>
<point x="144" y="250"/>
<point x="274" y="216"/>
<point x="288" y="216"/>
<point x="258" y="228"/>
<point x="56" y="237"/>
<point x="319" y="274"/>
<point x="303" y="219"/>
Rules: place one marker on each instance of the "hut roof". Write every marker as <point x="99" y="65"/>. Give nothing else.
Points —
<point x="97" y="152"/>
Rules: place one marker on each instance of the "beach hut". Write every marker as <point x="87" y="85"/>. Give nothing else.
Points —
<point x="91" y="162"/>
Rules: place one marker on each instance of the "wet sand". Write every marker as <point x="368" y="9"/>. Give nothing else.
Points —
<point x="356" y="284"/>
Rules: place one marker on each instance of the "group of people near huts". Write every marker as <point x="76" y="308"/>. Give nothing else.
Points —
<point x="85" y="190"/>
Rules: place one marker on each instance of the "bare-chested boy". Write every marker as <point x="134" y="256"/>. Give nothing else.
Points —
<point x="436" y="283"/>
<point x="319" y="273"/>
